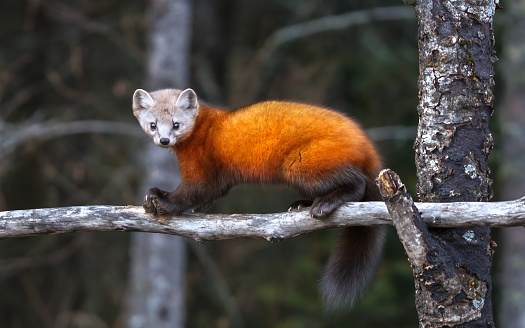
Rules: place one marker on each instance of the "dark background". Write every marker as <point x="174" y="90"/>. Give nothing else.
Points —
<point x="63" y="61"/>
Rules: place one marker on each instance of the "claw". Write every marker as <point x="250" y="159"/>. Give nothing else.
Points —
<point x="299" y="205"/>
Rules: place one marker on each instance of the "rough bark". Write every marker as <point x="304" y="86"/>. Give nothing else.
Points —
<point x="432" y="264"/>
<point x="512" y="279"/>
<point x="156" y="287"/>
<point x="452" y="147"/>
<point x="272" y="227"/>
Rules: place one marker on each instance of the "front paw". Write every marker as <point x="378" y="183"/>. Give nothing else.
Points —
<point x="153" y="201"/>
<point x="321" y="209"/>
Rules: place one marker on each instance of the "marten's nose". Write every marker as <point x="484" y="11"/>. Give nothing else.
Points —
<point x="164" y="141"/>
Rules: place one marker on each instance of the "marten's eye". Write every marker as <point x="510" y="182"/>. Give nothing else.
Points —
<point x="176" y="125"/>
<point x="152" y="126"/>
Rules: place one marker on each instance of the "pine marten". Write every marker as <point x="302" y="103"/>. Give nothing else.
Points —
<point x="323" y="154"/>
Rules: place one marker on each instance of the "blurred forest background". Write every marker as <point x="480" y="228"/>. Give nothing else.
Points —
<point x="68" y="70"/>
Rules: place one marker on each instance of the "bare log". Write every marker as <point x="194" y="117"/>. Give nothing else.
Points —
<point x="406" y="218"/>
<point x="272" y="227"/>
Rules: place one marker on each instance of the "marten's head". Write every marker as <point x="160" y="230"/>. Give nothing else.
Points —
<point x="167" y="116"/>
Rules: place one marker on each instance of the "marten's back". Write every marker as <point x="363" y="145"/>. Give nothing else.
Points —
<point x="267" y="140"/>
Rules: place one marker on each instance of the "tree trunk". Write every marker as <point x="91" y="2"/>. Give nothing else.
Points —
<point x="512" y="307"/>
<point x="158" y="261"/>
<point x="452" y="147"/>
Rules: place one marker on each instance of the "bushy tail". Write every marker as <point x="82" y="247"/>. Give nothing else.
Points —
<point x="352" y="265"/>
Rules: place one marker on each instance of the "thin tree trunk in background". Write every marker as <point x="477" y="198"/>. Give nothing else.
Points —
<point x="512" y="307"/>
<point x="158" y="261"/>
<point x="456" y="79"/>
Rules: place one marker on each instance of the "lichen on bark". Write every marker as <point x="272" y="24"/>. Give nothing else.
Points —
<point x="456" y="96"/>
<point x="456" y="84"/>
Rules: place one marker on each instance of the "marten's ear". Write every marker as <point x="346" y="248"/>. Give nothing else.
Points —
<point x="188" y="101"/>
<point x="142" y="101"/>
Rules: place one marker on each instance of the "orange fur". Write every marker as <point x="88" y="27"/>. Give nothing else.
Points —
<point x="321" y="153"/>
<point x="274" y="142"/>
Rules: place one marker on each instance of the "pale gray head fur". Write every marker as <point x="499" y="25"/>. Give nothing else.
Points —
<point x="167" y="116"/>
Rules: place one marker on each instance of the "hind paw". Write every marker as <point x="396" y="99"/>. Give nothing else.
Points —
<point x="321" y="209"/>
